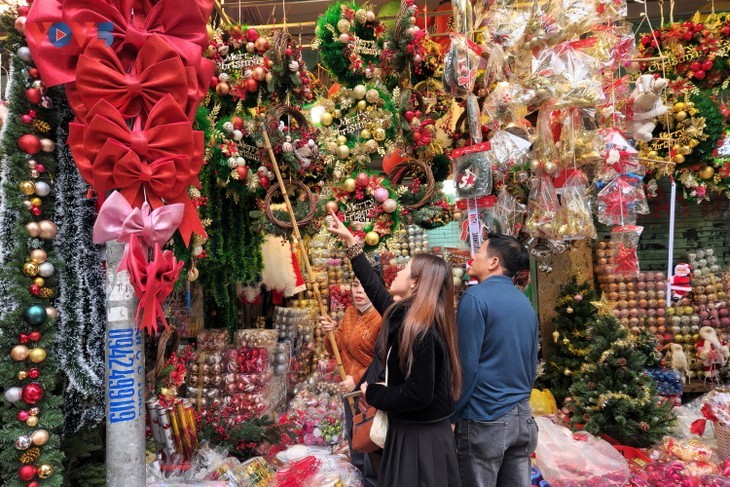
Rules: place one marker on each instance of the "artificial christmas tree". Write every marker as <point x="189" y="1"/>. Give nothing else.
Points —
<point x="612" y="394"/>
<point x="571" y="344"/>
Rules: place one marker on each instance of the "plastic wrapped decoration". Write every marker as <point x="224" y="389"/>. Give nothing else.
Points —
<point x="542" y="207"/>
<point x="508" y="150"/>
<point x="542" y="29"/>
<point x="624" y="260"/>
<point x="509" y="213"/>
<point x="575" y="17"/>
<point x="576" y="143"/>
<point x="575" y="218"/>
<point x="461" y="66"/>
<point x="545" y="154"/>
<point x="505" y="25"/>
<point x="503" y="105"/>
<point x="472" y="170"/>
<point x="621" y="200"/>
<point x="618" y="156"/>
<point x="581" y="75"/>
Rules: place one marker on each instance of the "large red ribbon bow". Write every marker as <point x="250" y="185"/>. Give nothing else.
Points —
<point x="157" y="71"/>
<point x="115" y="21"/>
<point x="152" y="282"/>
<point x="118" y="221"/>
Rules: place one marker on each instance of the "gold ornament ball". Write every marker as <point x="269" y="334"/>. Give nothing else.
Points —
<point x="694" y="143"/>
<point x="33" y="228"/>
<point x="361" y="15"/>
<point x="652" y="154"/>
<point x="341" y="140"/>
<point x="372" y="96"/>
<point x="38" y="256"/>
<point x="39" y="281"/>
<point x="372" y="239"/>
<point x="48" y="229"/>
<point x="36" y="201"/>
<point x="379" y="134"/>
<point x="22" y="375"/>
<point x="365" y="134"/>
<point x="707" y="172"/>
<point x="343" y="151"/>
<point x="222" y="88"/>
<point x="331" y="206"/>
<point x="32" y="421"/>
<point x="326" y="119"/>
<point x="679" y="106"/>
<point x="362" y="105"/>
<point x="44" y="471"/>
<point x="681" y="116"/>
<point x="359" y="92"/>
<point x="550" y="167"/>
<point x="37" y="355"/>
<point x="30" y="269"/>
<point x="371" y="146"/>
<point x="39" y="437"/>
<point x="27" y="187"/>
<point x="678" y="158"/>
<point x="19" y="353"/>
<point x="349" y="185"/>
<point x="343" y="25"/>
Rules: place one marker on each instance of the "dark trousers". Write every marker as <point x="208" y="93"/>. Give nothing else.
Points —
<point x="497" y="453"/>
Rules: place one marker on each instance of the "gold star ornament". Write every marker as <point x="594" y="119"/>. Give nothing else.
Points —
<point x="604" y="306"/>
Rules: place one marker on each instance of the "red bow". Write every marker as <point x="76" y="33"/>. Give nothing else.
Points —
<point x="184" y="28"/>
<point x="167" y="132"/>
<point x="153" y="282"/>
<point x="157" y="70"/>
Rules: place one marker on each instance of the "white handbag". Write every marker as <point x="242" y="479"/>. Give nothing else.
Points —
<point x="379" y="429"/>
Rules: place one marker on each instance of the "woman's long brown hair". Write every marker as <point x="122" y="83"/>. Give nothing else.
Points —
<point x="431" y="303"/>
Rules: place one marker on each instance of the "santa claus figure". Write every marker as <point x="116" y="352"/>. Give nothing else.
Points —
<point x="681" y="281"/>
<point x="711" y="352"/>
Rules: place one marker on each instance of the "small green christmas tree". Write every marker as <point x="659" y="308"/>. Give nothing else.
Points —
<point x="612" y="394"/>
<point x="571" y="344"/>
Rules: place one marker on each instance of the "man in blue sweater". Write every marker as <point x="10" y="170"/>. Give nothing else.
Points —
<point x="498" y="334"/>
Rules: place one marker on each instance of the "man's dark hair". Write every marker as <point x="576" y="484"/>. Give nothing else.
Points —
<point x="512" y="255"/>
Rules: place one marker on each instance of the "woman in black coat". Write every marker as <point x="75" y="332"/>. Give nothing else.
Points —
<point x="419" y="345"/>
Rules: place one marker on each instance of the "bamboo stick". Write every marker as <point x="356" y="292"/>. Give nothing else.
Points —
<point x="305" y="257"/>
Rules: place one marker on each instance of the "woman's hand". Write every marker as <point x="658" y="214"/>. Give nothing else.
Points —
<point x="336" y="227"/>
<point x="363" y="389"/>
<point x="347" y="385"/>
<point x="328" y="324"/>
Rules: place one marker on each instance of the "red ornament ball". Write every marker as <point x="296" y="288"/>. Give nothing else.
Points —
<point x="34" y="373"/>
<point x="237" y="123"/>
<point x="362" y="179"/>
<point x="26" y="473"/>
<point x="35" y="211"/>
<point x="33" y="95"/>
<point x="264" y="181"/>
<point x="32" y="393"/>
<point x="29" y="143"/>
<point x="33" y="484"/>
<point x="252" y="34"/>
<point x="23" y="415"/>
<point x="34" y="336"/>
<point x="242" y="172"/>
<point x="251" y="85"/>
<point x="33" y="73"/>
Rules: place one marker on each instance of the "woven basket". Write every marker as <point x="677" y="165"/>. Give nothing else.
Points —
<point x="722" y="435"/>
<point x="287" y="225"/>
<point x="410" y="166"/>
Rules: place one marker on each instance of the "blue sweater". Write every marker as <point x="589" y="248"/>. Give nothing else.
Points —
<point x="498" y="333"/>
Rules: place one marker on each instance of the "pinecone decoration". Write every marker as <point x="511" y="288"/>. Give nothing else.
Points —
<point x="46" y="292"/>
<point x="41" y="126"/>
<point x="30" y="455"/>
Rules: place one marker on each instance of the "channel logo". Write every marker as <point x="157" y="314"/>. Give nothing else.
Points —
<point x="61" y="34"/>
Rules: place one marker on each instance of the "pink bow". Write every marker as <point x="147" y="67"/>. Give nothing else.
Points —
<point x="153" y="282"/>
<point x="118" y="221"/>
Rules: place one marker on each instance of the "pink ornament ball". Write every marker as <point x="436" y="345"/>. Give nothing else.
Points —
<point x="381" y="194"/>
<point x="390" y="205"/>
<point x="578" y="297"/>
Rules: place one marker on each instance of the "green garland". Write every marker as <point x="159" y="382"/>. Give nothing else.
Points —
<point x="16" y="283"/>
<point x="342" y="27"/>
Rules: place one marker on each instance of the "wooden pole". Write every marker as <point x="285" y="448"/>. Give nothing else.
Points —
<point x="305" y="257"/>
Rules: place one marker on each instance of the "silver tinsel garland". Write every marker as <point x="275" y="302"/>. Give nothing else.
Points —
<point x="8" y="218"/>
<point x="81" y="295"/>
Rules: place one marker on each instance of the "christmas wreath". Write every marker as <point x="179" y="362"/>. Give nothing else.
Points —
<point x="288" y="79"/>
<point x="687" y="138"/>
<point x="693" y="51"/>
<point x="242" y="64"/>
<point x="348" y="42"/>
<point x="368" y="207"/>
<point x="358" y="125"/>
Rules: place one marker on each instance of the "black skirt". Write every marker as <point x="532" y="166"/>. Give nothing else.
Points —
<point x="419" y="455"/>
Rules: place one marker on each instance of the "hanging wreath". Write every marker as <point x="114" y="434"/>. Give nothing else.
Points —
<point x="358" y="126"/>
<point x="368" y="206"/>
<point x="686" y="138"/>
<point x="472" y="170"/>
<point x="304" y="206"/>
<point x="422" y="200"/>
<point x="694" y="52"/>
<point x="288" y="77"/>
<point x="242" y="63"/>
<point x="348" y="42"/>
